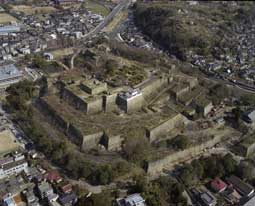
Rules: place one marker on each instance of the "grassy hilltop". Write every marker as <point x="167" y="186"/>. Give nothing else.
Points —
<point x="179" y="27"/>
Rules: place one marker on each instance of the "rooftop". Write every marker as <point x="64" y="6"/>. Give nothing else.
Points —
<point x="131" y="200"/>
<point x="242" y="187"/>
<point x="207" y="198"/>
<point x="67" y="198"/>
<point x="9" y="71"/>
<point x="9" y="28"/>
<point x="44" y="187"/>
<point x="218" y="185"/>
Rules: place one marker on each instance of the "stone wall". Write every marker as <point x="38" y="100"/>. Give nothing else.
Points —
<point x="192" y="81"/>
<point x="75" y="135"/>
<point x="163" y="128"/>
<point x="68" y="129"/>
<point x="86" y="142"/>
<point x="92" y="140"/>
<point x="110" y="102"/>
<point x="52" y="115"/>
<point x="154" y="85"/>
<point x="135" y="104"/>
<point x="246" y="151"/>
<point x="156" y="167"/>
<point x="114" y="143"/>
<point x="73" y="100"/>
<point x="95" y="105"/>
<point x="131" y="105"/>
<point x="92" y="106"/>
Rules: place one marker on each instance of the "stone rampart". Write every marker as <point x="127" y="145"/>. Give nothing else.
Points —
<point x="163" y="128"/>
<point x="74" y="100"/>
<point x="151" y="88"/>
<point x="156" y="167"/>
<point x="91" y="141"/>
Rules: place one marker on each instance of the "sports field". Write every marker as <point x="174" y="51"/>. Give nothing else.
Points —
<point x="6" y="18"/>
<point x="97" y="8"/>
<point x="7" y="142"/>
<point x="33" y="10"/>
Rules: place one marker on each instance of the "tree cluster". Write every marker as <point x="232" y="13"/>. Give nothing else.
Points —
<point x="180" y="142"/>
<point x="213" y="166"/>
<point x="160" y="192"/>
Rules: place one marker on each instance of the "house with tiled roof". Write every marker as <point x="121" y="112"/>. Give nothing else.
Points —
<point x="218" y="185"/>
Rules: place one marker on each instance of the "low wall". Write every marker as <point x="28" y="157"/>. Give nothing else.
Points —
<point x="163" y="128"/>
<point x="157" y="166"/>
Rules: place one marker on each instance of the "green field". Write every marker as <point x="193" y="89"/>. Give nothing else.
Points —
<point x="6" y="18"/>
<point x="97" y="8"/>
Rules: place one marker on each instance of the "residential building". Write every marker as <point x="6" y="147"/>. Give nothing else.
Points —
<point x="53" y="176"/>
<point x="131" y="200"/>
<point x="44" y="190"/>
<point x="208" y="199"/>
<point x="244" y="189"/>
<point x="9" y="74"/>
<point x="68" y="199"/>
<point x="10" y="190"/>
<point x="249" y="115"/>
<point x="31" y="199"/>
<point x="13" y="165"/>
<point x="6" y="199"/>
<point x="9" y="29"/>
<point x="66" y="188"/>
<point x="231" y="195"/>
<point x="52" y="198"/>
<point x="218" y="185"/>
<point x="250" y="202"/>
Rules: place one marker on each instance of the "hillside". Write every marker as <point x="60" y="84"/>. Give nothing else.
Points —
<point x="180" y="27"/>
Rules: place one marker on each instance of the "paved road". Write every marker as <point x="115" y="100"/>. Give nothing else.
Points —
<point x="123" y="4"/>
<point x="240" y="85"/>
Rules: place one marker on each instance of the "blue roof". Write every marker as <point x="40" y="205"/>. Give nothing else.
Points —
<point x="67" y="198"/>
<point x="9" y="71"/>
<point x="9" y="201"/>
<point x="134" y="199"/>
<point x="9" y="29"/>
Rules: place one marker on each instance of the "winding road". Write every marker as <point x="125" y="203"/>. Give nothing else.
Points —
<point x="122" y="5"/>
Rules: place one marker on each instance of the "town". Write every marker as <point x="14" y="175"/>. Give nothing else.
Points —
<point x="108" y="103"/>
